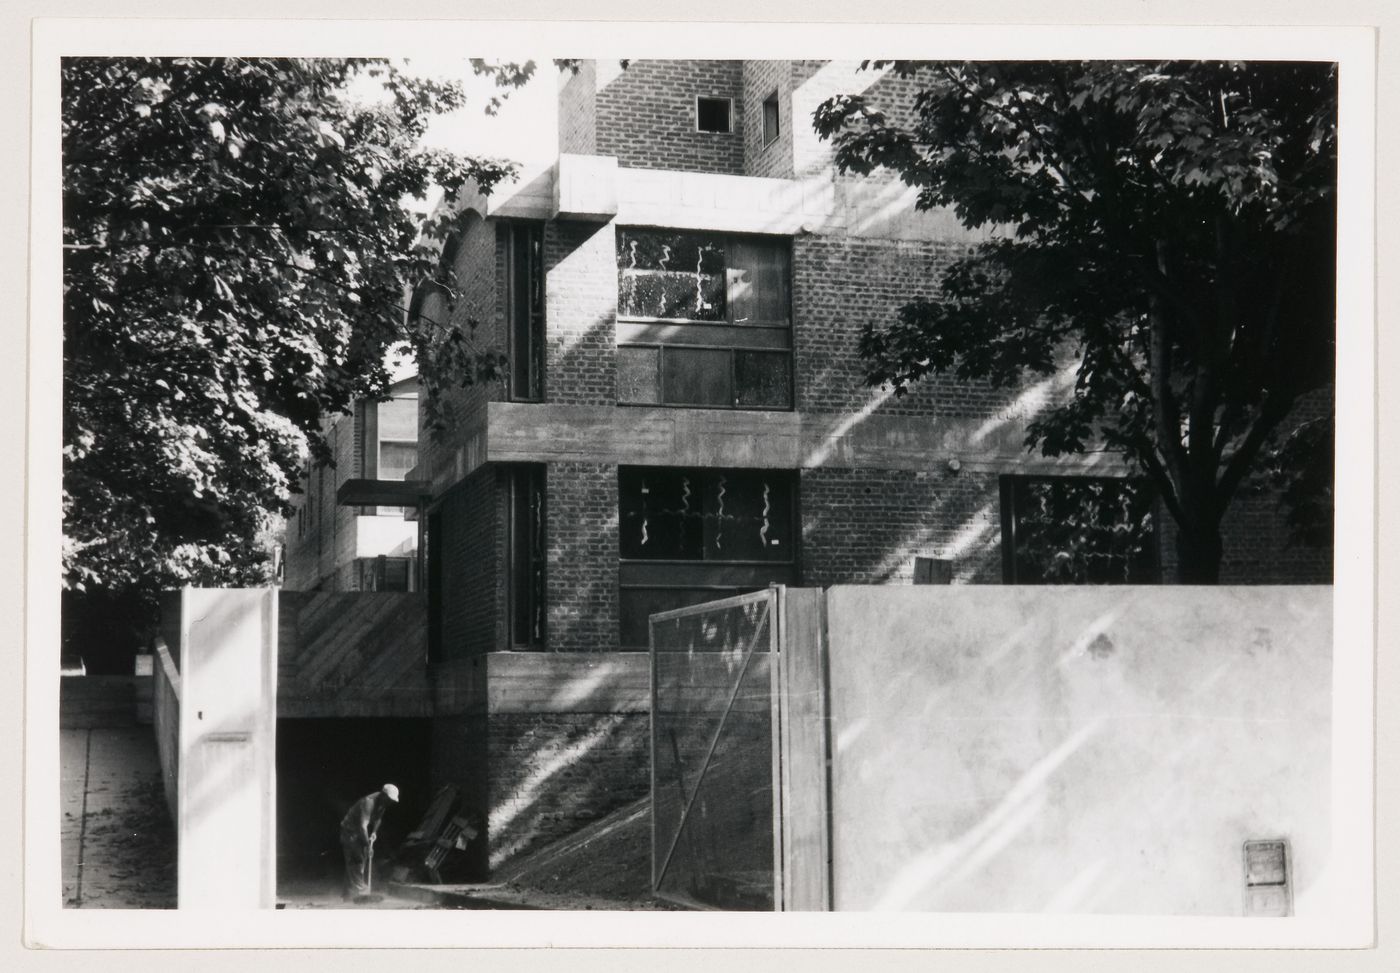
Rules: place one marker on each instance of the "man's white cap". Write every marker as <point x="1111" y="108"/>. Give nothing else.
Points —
<point x="391" y="792"/>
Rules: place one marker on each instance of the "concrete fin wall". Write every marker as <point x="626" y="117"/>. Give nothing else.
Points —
<point x="1087" y="750"/>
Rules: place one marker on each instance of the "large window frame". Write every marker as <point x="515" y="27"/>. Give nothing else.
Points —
<point x="526" y="525"/>
<point x="371" y="425"/>
<point x="738" y="356"/>
<point x="664" y="582"/>
<point x="525" y="309"/>
<point x="712" y="102"/>
<point x="772" y="119"/>
<point x="1019" y="568"/>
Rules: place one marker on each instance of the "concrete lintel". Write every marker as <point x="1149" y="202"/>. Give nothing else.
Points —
<point x="656" y="436"/>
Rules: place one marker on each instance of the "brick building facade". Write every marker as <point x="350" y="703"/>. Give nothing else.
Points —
<point x="332" y="546"/>
<point x="680" y="296"/>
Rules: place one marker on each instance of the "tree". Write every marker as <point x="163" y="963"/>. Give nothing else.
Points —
<point x="1172" y="225"/>
<point x="235" y="254"/>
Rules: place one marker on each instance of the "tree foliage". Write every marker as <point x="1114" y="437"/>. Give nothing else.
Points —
<point x="1171" y="224"/>
<point x="235" y="253"/>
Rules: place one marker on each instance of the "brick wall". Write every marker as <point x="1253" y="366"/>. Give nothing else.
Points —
<point x="537" y="778"/>
<point x="581" y="582"/>
<point x="762" y="78"/>
<point x="1255" y="538"/>
<point x="321" y="534"/>
<point x="867" y="526"/>
<point x="839" y="285"/>
<point x="580" y="313"/>
<point x="474" y="566"/>
<point x="1255" y="535"/>
<point x="478" y="268"/>
<point x="459" y="758"/>
<point x="646" y="116"/>
<point x="578" y="111"/>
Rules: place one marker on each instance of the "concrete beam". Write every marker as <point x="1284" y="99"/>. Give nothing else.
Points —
<point x="648" y="436"/>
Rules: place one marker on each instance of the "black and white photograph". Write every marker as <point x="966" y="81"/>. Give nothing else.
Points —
<point x="929" y="498"/>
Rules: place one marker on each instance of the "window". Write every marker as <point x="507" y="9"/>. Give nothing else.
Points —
<point x="713" y="115"/>
<point x="525" y="309"/>
<point x="771" y="129"/>
<point x="386" y="574"/>
<point x="527" y="557"/>
<point x="687" y="536"/>
<point x="1077" y="530"/>
<point x="390" y="442"/>
<point x="433" y="565"/>
<point x="704" y="320"/>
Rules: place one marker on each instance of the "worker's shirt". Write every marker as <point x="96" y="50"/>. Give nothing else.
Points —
<point x="363" y="817"/>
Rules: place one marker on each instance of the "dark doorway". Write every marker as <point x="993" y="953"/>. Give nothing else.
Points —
<point x="323" y="766"/>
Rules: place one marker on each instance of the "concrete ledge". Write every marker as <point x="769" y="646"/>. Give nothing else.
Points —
<point x="646" y="435"/>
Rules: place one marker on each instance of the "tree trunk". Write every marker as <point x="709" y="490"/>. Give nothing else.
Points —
<point x="1198" y="553"/>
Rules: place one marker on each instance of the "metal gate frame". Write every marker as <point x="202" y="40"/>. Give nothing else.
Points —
<point x="773" y="598"/>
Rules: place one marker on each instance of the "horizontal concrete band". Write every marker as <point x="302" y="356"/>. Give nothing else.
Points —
<point x="594" y="188"/>
<point x="515" y="432"/>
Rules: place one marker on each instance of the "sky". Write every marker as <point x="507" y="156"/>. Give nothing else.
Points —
<point x="524" y="130"/>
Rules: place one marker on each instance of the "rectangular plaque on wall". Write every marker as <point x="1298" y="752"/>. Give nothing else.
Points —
<point x="1267" y="883"/>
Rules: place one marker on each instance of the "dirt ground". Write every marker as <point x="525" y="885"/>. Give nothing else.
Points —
<point x="606" y="865"/>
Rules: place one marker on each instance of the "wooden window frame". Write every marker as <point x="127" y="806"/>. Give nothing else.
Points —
<point x="525" y="319"/>
<point x="722" y="577"/>
<point x="729" y="114"/>
<point x="729" y="335"/>
<point x="769" y="136"/>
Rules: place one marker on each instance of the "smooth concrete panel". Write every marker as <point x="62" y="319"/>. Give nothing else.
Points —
<point x="1097" y="750"/>
<point x="227" y="773"/>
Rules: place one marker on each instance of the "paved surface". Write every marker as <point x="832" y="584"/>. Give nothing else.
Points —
<point x="118" y="845"/>
<point x="319" y="894"/>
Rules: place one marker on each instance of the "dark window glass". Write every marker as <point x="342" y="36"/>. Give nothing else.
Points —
<point x="748" y="517"/>
<point x="696" y="376"/>
<point x="705" y="515"/>
<point x="527" y="557"/>
<point x="770" y="118"/>
<point x="688" y="536"/>
<point x="661" y="513"/>
<point x="712" y="114"/>
<point x="638" y="377"/>
<point x="525" y="309"/>
<point x="433" y="560"/>
<point x="1078" y="530"/>
<point x="763" y="379"/>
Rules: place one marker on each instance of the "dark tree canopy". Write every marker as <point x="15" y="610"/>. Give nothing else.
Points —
<point x="235" y="256"/>
<point x="1170" y="224"/>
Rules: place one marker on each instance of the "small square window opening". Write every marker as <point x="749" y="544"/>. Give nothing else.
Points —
<point x="713" y="115"/>
<point x="771" y="128"/>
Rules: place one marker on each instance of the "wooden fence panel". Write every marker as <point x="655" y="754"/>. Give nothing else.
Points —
<point x="353" y="653"/>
